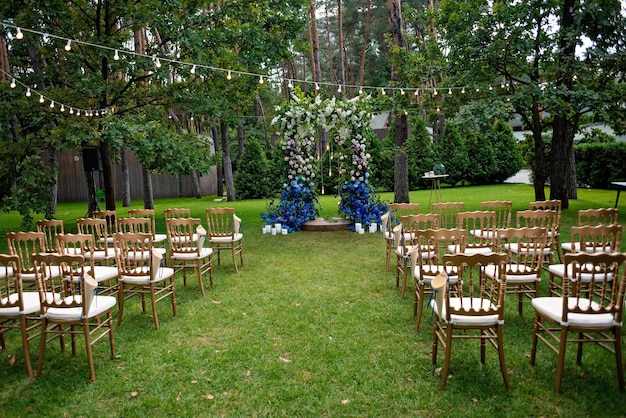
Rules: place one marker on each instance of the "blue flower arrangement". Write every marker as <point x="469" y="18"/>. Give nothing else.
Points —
<point x="359" y="203"/>
<point x="298" y="204"/>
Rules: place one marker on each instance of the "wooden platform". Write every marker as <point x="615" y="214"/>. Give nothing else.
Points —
<point x="321" y="224"/>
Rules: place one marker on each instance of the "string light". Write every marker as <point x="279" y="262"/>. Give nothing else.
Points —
<point x="290" y="84"/>
<point x="382" y="91"/>
<point x="261" y="81"/>
<point x="339" y="89"/>
<point x="62" y="108"/>
<point x="13" y="83"/>
<point x="229" y="75"/>
<point x="68" y="45"/>
<point x="28" y="93"/>
<point x="463" y="90"/>
<point x="417" y="92"/>
<point x="19" y="34"/>
<point x="52" y="104"/>
<point x="402" y="92"/>
<point x="116" y="56"/>
<point x="71" y="111"/>
<point x="434" y="92"/>
<point x="41" y="100"/>
<point x="317" y="86"/>
<point x="449" y="91"/>
<point x="157" y="62"/>
<point x="193" y="69"/>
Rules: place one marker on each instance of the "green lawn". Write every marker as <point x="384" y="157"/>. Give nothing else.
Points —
<point x="312" y="325"/>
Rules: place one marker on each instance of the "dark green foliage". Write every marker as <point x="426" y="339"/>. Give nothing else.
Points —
<point x="252" y="180"/>
<point x="452" y="152"/>
<point x="421" y="153"/>
<point x="508" y="157"/>
<point x="597" y="165"/>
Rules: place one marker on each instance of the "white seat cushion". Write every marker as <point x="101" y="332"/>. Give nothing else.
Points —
<point x="104" y="273"/>
<point x="552" y="308"/>
<point x="157" y="238"/>
<point x="559" y="271"/>
<point x="99" y="305"/>
<point x="431" y="271"/>
<point x="30" y="301"/>
<point x="515" y="274"/>
<point x="514" y="247"/>
<point x="161" y="274"/>
<point x="204" y="252"/>
<point x="220" y="240"/>
<point x="468" y="320"/>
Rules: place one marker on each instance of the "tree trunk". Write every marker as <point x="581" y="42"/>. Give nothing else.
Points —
<point x="315" y="47"/>
<point x="565" y="125"/>
<point x="226" y="162"/>
<point x="401" y="161"/>
<point x="342" y="52"/>
<point x="219" y="168"/>
<point x="125" y="178"/>
<point x="240" y="141"/>
<point x="92" y="202"/>
<point x="195" y="180"/>
<point x="331" y="70"/>
<point x="108" y="176"/>
<point x="401" y="167"/>
<point x="53" y="190"/>
<point x="368" y="18"/>
<point x="148" y="193"/>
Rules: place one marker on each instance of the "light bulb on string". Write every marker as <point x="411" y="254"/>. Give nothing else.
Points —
<point x="97" y="113"/>
<point x="157" y="62"/>
<point x="290" y="84"/>
<point x="402" y="92"/>
<point x="52" y="104"/>
<point x="477" y="90"/>
<point x="28" y="93"/>
<point x="261" y="81"/>
<point x="463" y="90"/>
<point x="437" y="109"/>
<point x="71" y="111"/>
<point x="41" y="99"/>
<point x="193" y="69"/>
<point x="68" y="45"/>
<point x="77" y="112"/>
<point x="417" y="92"/>
<point x="62" y="108"/>
<point x="317" y="86"/>
<point x="339" y="89"/>
<point x="490" y="88"/>
<point x="116" y="56"/>
<point x="450" y="91"/>
<point x="19" y="34"/>
<point x="434" y="92"/>
<point x="229" y="75"/>
<point x="382" y="91"/>
<point x="360" y="91"/>
<point x="13" y="83"/>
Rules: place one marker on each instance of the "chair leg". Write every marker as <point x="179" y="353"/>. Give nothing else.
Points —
<point x="561" y="360"/>
<point x="154" y="308"/>
<point x="26" y="345"/>
<point x="579" y="351"/>
<point x="120" y="300"/>
<point x="617" y="334"/>
<point x="500" y="341"/>
<point x="42" y="346"/>
<point x="234" y="258"/>
<point x="88" y="347"/>
<point x="533" y="343"/>
<point x="388" y="257"/>
<point x="483" y="354"/>
<point x="199" y="270"/>
<point x="111" y="334"/>
<point x="446" y="363"/>
<point x="420" y="306"/>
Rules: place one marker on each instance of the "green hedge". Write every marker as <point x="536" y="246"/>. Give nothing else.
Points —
<point x="597" y="165"/>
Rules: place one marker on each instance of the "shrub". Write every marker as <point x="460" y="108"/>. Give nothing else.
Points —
<point x="597" y="165"/>
<point x="252" y="180"/>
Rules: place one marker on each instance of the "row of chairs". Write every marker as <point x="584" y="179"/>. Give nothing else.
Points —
<point x="518" y="253"/>
<point x="33" y="275"/>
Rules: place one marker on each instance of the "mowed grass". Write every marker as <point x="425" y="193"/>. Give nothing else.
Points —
<point x="312" y="325"/>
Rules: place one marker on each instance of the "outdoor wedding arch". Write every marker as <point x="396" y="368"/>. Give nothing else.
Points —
<point x="298" y="124"/>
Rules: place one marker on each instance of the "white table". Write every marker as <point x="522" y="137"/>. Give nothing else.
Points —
<point x="435" y="188"/>
<point x="619" y="185"/>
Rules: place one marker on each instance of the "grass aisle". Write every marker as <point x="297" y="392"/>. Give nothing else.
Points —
<point x="311" y="326"/>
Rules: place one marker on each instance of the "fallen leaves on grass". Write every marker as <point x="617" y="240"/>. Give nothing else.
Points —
<point x="408" y="378"/>
<point x="134" y="394"/>
<point x="345" y="401"/>
<point x="209" y="396"/>
<point x="285" y="359"/>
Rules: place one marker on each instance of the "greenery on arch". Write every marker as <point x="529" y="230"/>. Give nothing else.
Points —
<point x="298" y="123"/>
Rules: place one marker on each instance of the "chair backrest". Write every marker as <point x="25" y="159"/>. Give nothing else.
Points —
<point x="447" y="213"/>
<point x="598" y="238"/>
<point x="177" y="213"/>
<point x="180" y="234"/>
<point x="68" y="286"/>
<point x="11" y="282"/>
<point x="480" y="295"/>
<point x="24" y="245"/>
<point x="554" y="205"/>
<point x="134" y="254"/>
<point x="594" y="284"/>
<point x="143" y="213"/>
<point x="540" y="218"/>
<point x="97" y="228"/>
<point x="74" y="244"/>
<point x="384" y="224"/>
<point x="51" y="228"/>
<point x="110" y="217"/>
<point x="503" y="210"/>
<point x="431" y="244"/>
<point x="602" y="216"/>
<point x="524" y="248"/>
<point x="221" y="222"/>
<point x="135" y="224"/>
<point x="483" y="222"/>
<point x="397" y="210"/>
<point x="413" y="223"/>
